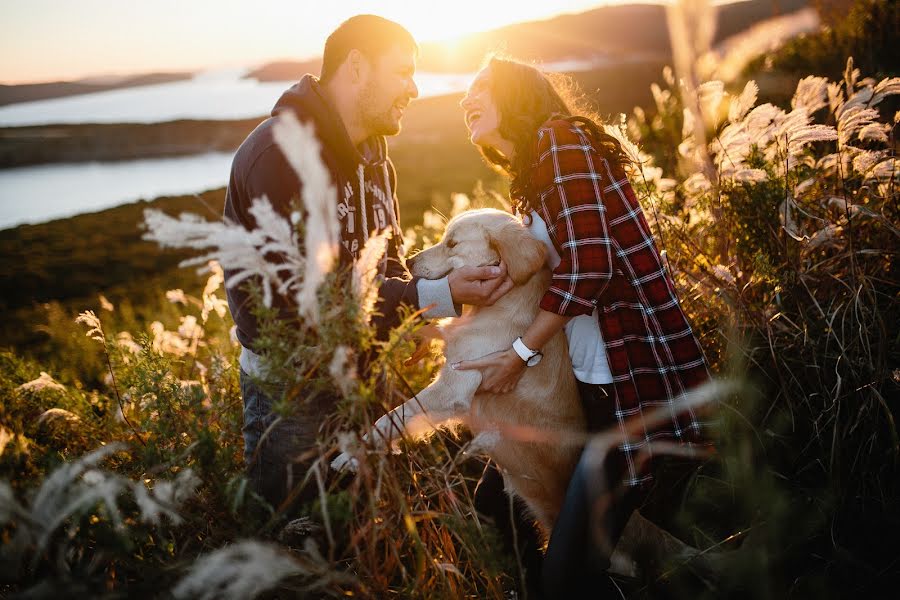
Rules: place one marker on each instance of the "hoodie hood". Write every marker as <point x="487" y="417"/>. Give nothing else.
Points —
<point x="363" y="174"/>
<point x="307" y="99"/>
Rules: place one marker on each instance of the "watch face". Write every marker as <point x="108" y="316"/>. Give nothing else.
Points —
<point x="535" y="359"/>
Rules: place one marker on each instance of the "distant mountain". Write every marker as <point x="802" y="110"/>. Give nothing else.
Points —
<point x="625" y="32"/>
<point x="285" y="70"/>
<point x="10" y="94"/>
<point x="614" y="33"/>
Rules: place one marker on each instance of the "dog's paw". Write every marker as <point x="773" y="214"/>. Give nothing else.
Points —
<point x="345" y="462"/>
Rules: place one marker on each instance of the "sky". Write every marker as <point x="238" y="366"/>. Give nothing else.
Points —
<point x="53" y="40"/>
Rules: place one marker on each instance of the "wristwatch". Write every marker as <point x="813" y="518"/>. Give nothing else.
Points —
<point x="531" y="357"/>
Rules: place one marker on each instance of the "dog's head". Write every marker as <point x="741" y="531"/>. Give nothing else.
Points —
<point x="482" y="237"/>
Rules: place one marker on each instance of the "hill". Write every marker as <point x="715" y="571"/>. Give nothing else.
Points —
<point x="629" y="33"/>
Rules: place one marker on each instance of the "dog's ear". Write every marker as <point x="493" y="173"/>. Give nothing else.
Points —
<point x="522" y="253"/>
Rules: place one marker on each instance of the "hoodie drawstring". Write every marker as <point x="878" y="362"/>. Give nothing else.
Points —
<point x="390" y="200"/>
<point x="398" y="237"/>
<point x="364" y="218"/>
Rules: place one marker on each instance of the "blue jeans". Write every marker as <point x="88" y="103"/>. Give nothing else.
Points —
<point x="274" y="455"/>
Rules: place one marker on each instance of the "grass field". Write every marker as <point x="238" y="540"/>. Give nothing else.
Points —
<point x="780" y="225"/>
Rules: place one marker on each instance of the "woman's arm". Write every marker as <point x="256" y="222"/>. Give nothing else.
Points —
<point x="567" y="172"/>
<point x="501" y="371"/>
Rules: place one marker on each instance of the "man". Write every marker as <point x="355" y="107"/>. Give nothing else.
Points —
<point x="365" y="85"/>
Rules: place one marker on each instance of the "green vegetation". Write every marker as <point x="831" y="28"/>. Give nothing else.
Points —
<point x="864" y="29"/>
<point x="780" y="227"/>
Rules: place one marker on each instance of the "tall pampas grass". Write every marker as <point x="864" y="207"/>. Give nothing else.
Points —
<point x="247" y="253"/>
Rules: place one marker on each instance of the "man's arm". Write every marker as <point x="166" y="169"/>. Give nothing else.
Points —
<point x="442" y="297"/>
<point x="271" y="176"/>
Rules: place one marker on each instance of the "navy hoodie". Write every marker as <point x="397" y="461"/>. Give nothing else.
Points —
<point x="365" y="181"/>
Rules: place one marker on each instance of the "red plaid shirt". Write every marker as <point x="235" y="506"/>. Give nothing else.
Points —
<point x="610" y="261"/>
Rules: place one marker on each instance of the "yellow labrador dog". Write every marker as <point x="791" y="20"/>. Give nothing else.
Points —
<point x="528" y="432"/>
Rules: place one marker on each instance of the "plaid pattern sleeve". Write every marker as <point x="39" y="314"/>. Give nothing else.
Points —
<point x="609" y="259"/>
<point x="568" y="181"/>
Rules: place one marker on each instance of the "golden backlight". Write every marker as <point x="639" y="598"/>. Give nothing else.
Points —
<point x="44" y="40"/>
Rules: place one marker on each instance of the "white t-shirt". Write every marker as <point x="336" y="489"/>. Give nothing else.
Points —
<point x="586" y="347"/>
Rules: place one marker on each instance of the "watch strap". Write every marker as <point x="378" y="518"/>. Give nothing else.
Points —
<point x="524" y="352"/>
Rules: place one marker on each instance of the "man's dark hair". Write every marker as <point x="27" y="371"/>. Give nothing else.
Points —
<point x="371" y="35"/>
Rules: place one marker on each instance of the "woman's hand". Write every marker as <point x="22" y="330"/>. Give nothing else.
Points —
<point x="500" y="371"/>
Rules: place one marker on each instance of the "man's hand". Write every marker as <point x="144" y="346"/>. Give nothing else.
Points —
<point x="479" y="286"/>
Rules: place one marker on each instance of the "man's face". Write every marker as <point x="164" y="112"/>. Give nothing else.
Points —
<point x="387" y="89"/>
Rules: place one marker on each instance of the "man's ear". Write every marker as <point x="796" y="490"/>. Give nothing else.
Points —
<point x="523" y="254"/>
<point x="355" y="64"/>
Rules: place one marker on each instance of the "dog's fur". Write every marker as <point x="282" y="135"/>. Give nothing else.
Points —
<point x="528" y="432"/>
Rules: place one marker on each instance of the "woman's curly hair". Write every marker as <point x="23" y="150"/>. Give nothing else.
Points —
<point x="526" y="98"/>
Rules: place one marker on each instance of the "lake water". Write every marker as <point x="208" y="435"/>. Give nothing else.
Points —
<point x="46" y="192"/>
<point x="41" y="193"/>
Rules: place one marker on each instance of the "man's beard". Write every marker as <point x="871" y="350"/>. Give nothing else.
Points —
<point x="374" y="121"/>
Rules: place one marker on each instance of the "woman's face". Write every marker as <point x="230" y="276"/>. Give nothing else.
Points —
<point x="482" y="116"/>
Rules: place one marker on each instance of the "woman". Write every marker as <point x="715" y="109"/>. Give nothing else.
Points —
<point x="631" y="346"/>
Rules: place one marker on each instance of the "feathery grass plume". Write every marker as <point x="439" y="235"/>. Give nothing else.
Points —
<point x="232" y="244"/>
<point x="125" y="340"/>
<point x="321" y="236"/>
<point x="642" y="164"/>
<point x="811" y="94"/>
<point x="874" y="132"/>
<point x="105" y="304"/>
<point x="886" y="170"/>
<point x="176" y="296"/>
<point x="165" y="497"/>
<point x="95" y="329"/>
<point x="741" y="104"/>
<point x="240" y="571"/>
<point x="747" y="175"/>
<point x="758" y="123"/>
<point x="692" y="26"/>
<point x="168" y="342"/>
<point x="44" y="382"/>
<point x="851" y="120"/>
<point x="71" y="488"/>
<point x="57" y="414"/>
<point x="366" y="278"/>
<point x="211" y="301"/>
<point x="864" y="161"/>
<point x="722" y="273"/>
<point x="711" y="94"/>
<point x="459" y="203"/>
<point x="889" y="86"/>
<point x="189" y="328"/>
<point x="343" y="369"/>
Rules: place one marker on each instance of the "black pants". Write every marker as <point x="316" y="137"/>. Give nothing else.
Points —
<point x="518" y="530"/>
<point x="274" y="446"/>
<point x="577" y="557"/>
<point x="516" y="527"/>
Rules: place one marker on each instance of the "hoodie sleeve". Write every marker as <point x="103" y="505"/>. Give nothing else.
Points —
<point x="271" y="176"/>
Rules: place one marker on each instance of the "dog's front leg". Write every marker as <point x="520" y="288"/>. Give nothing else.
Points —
<point x="447" y="399"/>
